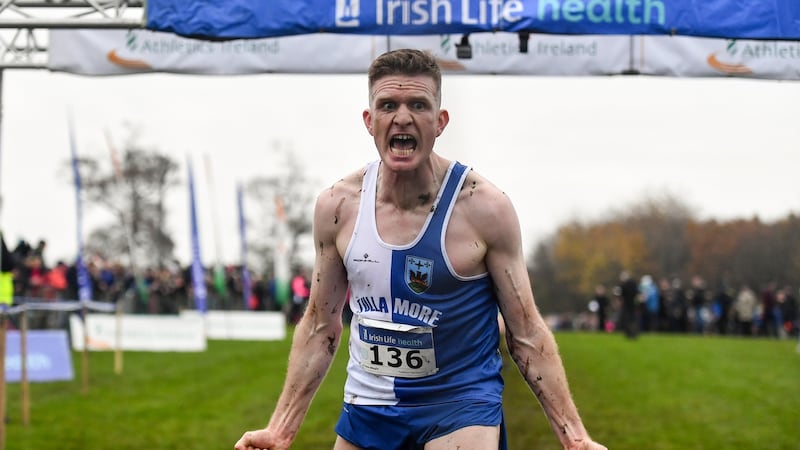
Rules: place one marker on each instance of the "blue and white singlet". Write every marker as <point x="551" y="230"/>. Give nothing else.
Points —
<point x="420" y="333"/>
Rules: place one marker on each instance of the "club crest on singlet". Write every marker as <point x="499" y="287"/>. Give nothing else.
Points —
<point x="418" y="273"/>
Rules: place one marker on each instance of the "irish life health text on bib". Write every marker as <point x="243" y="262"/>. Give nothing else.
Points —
<point x="396" y="349"/>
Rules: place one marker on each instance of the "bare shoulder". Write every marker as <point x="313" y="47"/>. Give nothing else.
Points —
<point x="337" y="207"/>
<point x="348" y="187"/>
<point x="486" y="207"/>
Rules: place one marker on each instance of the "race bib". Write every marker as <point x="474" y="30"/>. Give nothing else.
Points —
<point x="396" y="349"/>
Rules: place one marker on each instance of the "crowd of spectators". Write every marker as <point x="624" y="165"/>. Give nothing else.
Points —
<point x="165" y="290"/>
<point x="631" y="306"/>
<point x="671" y="306"/>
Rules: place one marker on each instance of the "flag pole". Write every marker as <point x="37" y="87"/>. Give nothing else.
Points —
<point x="198" y="275"/>
<point x="84" y="282"/>
<point x="247" y="284"/>
<point x="219" y="273"/>
<point x="119" y="179"/>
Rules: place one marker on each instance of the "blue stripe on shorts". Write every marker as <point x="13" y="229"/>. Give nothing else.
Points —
<point x="410" y="427"/>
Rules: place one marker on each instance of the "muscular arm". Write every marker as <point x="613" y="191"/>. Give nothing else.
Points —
<point x="530" y="342"/>
<point x="315" y="339"/>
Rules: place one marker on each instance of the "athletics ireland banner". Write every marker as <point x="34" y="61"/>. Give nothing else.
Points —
<point x="774" y="19"/>
<point x="119" y="52"/>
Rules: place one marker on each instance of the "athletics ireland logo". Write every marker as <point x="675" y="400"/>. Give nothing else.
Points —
<point x="728" y="68"/>
<point x="418" y="273"/>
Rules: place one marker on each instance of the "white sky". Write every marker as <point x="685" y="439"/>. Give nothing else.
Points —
<point x="559" y="147"/>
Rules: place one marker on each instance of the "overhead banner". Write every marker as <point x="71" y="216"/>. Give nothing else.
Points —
<point x="774" y="19"/>
<point x="119" y="52"/>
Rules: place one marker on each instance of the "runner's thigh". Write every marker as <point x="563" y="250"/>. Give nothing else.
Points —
<point x="475" y="437"/>
<point x="342" y="444"/>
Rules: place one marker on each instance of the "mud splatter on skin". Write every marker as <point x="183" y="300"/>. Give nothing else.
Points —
<point x="537" y="390"/>
<point x="331" y="346"/>
<point x="312" y="309"/>
<point x="472" y="188"/>
<point x="424" y="198"/>
<point x="525" y="365"/>
<point x="515" y="288"/>
<point x="338" y="211"/>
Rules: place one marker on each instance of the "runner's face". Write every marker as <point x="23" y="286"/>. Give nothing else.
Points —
<point x="404" y="119"/>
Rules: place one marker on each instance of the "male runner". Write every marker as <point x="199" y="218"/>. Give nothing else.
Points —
<point x="429" y="251"/>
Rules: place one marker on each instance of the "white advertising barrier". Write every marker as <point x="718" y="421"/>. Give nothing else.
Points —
<point x="120" y="52"/>
<point x="243" y="325"/>
<point x="140" y="333"/>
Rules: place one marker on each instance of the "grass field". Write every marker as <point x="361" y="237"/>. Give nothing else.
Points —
<point x="658" y="392"/>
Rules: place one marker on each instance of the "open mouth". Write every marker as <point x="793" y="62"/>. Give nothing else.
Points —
<point x="402" y="145"/>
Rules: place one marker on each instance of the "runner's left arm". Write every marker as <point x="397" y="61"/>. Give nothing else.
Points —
<point x="530" y="342"/>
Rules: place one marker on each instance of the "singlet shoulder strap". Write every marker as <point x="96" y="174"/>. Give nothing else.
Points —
<point x="454" y="179"/>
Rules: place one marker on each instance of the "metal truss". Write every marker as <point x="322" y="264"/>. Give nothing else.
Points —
<point x="24" y="25"/>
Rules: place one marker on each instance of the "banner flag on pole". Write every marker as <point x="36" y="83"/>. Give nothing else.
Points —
<point x="84" y="282"/>
<point x="247" y="284"/>
<point x="198" y="275"/>
<point x="281" y="252"/>
<point x="219" y="276"/>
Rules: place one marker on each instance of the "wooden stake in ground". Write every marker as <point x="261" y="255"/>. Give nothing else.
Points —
<point x="3" y="327"/>
<point x="118" y="350"/>
<point x="85" y="359"/>
<point x="23" y="356"/>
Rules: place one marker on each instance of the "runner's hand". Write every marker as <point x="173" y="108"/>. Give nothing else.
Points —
<point x="261" y="440"/>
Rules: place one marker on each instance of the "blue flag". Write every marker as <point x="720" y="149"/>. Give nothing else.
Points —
<point x="198" y="274"/>
<point x="84" y="281"/>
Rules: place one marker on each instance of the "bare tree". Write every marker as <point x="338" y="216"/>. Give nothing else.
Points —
<point x="662" y="221"/>
<point x="133" y="189"/>
<point x="294" y="189"/>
